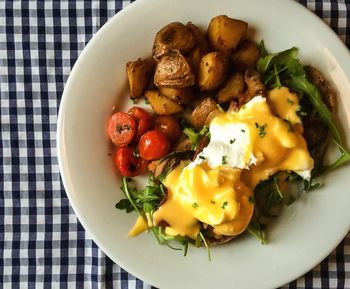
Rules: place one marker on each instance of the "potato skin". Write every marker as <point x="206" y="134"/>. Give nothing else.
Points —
<point x="246" y="55"/>
<point x="139" y="73"/>
<point x="201" y="48"/>
<point x="199" y="36"/>
<point x="180" y="95"/>
<point x="194" y="58"/>
<point x="174" y="71"/>
<point x="232" y="88"/>
<point x="212" y="71"/>
<point x="202" y="111"/>
<point x="174" y="36"/>
<point x="162" y="105"/>
<point x="225" y="33"/>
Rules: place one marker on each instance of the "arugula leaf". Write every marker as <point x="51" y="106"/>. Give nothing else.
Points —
<point x="279" y="58"/>
<point x="164" y="239"/>
<point x="145" y="202"/>
<point x="151" y="194"/>
<point x="283" y="68"/>
<point x="310" y="186"/>
<point x="124" y="204"/>
<point x="205" y="244"/>
<point x="255" y="229"/>
<point x="192" y="135"/>
<point x="344" y="158"/>
<point x="149" y="199"/>
<point x="205" y="131"/>
<point x="262" y="50"/>
<point x="269" y="196"/>
<point x="128" y="195"/>
<point x="198" y="241"/>
<point x="301" y="83"/>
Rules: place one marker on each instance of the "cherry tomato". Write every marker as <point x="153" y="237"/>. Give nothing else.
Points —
<point x="168" y="125"/>
<point x="143" y="120"/>
<point x="153" y="145"/>
<point x="129" y="165"/>
<point x="121" y="128"/>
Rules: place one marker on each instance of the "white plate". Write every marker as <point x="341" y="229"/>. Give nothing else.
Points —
<point x="306" y="232"/>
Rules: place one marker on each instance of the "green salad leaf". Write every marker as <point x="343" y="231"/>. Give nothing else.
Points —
<point x="284" y="68"/>
<point x="344" y="158"/>
<point x="301" y="83"/>
<point x="145" y="202"/>
<point x="124" y="204"/>
<point x="192" y="135"/>
<point x="256" y="230"/>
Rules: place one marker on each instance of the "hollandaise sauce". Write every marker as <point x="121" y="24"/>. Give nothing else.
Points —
<point x="246" y="147"/>
<point x="213" y="196"/>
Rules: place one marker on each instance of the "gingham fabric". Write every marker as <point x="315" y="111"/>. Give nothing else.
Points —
<point x="42" y="244"/>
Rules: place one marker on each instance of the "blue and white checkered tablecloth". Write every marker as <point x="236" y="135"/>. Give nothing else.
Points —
<point x="42" y="244"/>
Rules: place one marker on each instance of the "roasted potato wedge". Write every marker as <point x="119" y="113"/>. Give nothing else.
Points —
<point x="174" y="71"/>
<point x="180" y="95"/>
<point x="232" y="88"/>
<point x="225" y="33"/>
<point x="212" y="70"/>
<point x="174" y="36"/>
<point x="246" y="55"/>
<point x="194" y="58"/>
<point x="201" y="112"/>
<point x="201" y="48"/>
<point x="139" y="73"/>
<point x="199" y="36"/>
<point x="161" y="104"/>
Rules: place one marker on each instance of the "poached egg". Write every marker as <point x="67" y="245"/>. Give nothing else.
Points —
<point x="246" y="147"/>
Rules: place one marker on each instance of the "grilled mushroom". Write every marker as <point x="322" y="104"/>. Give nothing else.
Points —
<point x="315" y="131"/>
<point x="254" y="87"/>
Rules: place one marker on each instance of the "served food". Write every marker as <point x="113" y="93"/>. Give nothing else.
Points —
<point x="235" y="134"/>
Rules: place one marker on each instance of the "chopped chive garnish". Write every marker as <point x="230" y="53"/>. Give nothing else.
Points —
<point x="261" y="128"/>
<point x="232" y="141"/>
<point x="195" y="205"/>
<point x="224" y="161"/>
<point x="224" y="205"/>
